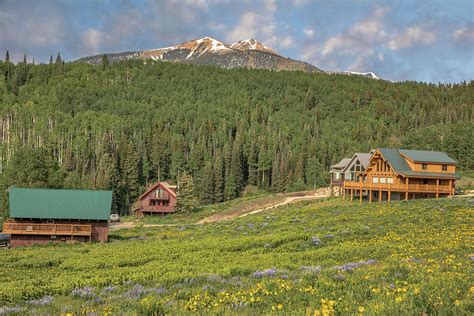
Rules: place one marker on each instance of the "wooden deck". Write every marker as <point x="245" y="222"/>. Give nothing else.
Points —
<point x="47" y="229"/>
<point x="415" y="188"/>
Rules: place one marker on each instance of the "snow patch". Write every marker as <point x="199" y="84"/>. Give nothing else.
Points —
<point x="367" y="74"/>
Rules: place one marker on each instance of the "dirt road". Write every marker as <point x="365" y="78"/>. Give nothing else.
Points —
<point x="287" y="199"/>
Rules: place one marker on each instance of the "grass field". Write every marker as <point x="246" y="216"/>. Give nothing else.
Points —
<point x="312" y="258"/>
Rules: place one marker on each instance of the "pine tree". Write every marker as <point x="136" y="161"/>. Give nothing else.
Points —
<point x="218" y="178"/>
<point x="252" y="165"/>
<point x="105" y="61"/>
<point x="59" y="61"/>
<point x="7" y="56"/>
<point x="118" y="198"/>
<point x="50" y="59"/>
<point x="24" y="59"/>
<point x="131" y="173"/>
<point x="186" y="201"/>
<point x="206" y="188"/>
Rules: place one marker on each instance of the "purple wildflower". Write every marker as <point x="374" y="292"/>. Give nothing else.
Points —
<point x="109" y="289"/>
<point x="329" y="236"/>
<point x="135" y="292"/>
<point x="42" y="301"/>
<point x="315" y="240"/>
<point x="353" y="265"/>
<point x="96" y="300"/>
<point x="10" y="309"/>
<point x="314" y="269"/>
<point x="250" y="225"/>
<point x="159" y="290"/>
<point x="265" y="273"/>
<point x="85" y="292"/>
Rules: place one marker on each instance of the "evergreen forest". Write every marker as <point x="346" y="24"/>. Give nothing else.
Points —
<point x="124" y="125"/>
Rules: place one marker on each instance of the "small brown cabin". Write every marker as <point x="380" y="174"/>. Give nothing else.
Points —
<point x="40" y="216"/>
<point x="158" y="199"/>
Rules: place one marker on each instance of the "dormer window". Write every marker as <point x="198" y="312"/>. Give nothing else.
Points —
<point x="424" y="166"/>
<point x="444" y="167"/>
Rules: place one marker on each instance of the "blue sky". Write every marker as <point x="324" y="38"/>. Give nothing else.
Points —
<point x="429" y="41"/>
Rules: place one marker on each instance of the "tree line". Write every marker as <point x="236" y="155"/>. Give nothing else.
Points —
<point x="124" y="125"/>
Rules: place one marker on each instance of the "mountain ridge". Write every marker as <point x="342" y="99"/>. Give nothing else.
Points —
<point x="248" y="53"/>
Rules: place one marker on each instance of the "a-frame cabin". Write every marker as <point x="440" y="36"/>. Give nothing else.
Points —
<point x="160" y="198"/>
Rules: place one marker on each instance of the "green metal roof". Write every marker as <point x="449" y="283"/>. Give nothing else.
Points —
<point x="60" y="204"/>
<point x="428" y="156"/>
<point x="400" y="165"/>
<point x="397" y="162"/>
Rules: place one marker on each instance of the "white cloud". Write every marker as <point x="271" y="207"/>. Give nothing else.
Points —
<point x="261" y="26"/>
<point x="91" y="41"/>
<point x="465" y="33"/>
<point x="413" y="35"/>
<point x="308" y="32"/>
<point x="356" y="43"/>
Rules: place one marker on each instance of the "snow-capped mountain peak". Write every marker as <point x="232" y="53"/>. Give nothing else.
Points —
<point x="251" y="44"/>
<point x="206" y="50"/>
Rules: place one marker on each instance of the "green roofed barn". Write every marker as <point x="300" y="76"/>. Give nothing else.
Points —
<point x="49" y="215"/>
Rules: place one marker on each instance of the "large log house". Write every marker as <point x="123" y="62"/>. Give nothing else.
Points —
<point x="396" y="174"/>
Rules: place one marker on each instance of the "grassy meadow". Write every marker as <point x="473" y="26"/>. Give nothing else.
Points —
<point x="312" y="258"/>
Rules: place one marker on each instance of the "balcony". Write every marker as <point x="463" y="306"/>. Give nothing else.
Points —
<point x="47" y="229"/>
<point x="399" y="187"/>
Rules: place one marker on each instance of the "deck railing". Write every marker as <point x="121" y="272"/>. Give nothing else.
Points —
<point x="441" y="188"/>
<point x="47" y="229"/>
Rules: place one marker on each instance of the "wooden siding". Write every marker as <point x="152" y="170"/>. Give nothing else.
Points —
<point x="151" y="203"/>
<point x="28" y="232"/>
<point x="381" y="179"/>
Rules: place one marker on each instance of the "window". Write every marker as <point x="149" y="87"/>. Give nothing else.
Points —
<point x="444" y="167"/>
<point x="390" y="180"/>
<point x="375" y="179"/>
<point x="425" y="181"/>
<point x="337" y="175"/>
<point x="383" y="180"/>
<point x="424" y="166"/>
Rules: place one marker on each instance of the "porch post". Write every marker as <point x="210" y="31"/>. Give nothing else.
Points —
<point x="450" y="187"/>
<point x="352" y="194"/>
<point x="360" y="191"/>
<point x="437" y="188"/>
<point x="406" y="189"/>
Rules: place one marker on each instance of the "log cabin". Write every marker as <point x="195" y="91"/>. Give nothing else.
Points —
<point x="160" y="198"/>
<point x="337" y="175"/>
<point x="396" y="174"/>
<point x="40" y="216"/>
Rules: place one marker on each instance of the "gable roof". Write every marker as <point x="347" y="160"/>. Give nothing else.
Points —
<point x="427" y="156"/>
<point x="341" y="164"/>
<point x="60" y="204"/>
<point x="164" y="185"/>
<point x="364" y="159"/>
<point x="400" y="165"/>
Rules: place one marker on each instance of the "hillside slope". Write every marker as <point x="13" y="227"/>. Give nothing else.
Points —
<point x="121" y="126"/>
<point x="328" y="256"/>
